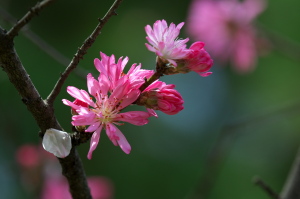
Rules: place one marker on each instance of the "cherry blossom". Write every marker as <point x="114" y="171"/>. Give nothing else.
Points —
<point x="112" y="92"/>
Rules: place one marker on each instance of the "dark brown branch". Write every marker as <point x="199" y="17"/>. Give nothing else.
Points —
<point x="82" y="51"/>
<point x="42" y="112"/>
<point x="291" y="188"/>
<point x="258" y="181"/>
<point x="29" y="15"/>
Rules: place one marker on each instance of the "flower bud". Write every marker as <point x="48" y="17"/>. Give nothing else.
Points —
<point x="160" y="96"/>
<point x="198" y="60"/>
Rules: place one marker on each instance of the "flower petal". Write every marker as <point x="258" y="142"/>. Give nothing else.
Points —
<point x="94" y="142"/>
<point x="57" y="142"/>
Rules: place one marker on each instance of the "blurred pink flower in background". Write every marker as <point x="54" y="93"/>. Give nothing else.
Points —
<point x="41" y="176"/>
<point x="226" y="28"/>
<point x="58" y="188"/>
<point x="164" y="41"/>
<point x="28" y="156"/>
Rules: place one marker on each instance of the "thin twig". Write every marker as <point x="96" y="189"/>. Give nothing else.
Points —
<point x="221" y="148"/>
<point x="43" y="45"/>
<point x="258" y="181"/>
<point x="82" y="51"/>
<point x="27" y="17"/>
<point x="291" y="187"/>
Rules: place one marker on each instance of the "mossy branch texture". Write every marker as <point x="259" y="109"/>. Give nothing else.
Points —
<point x="42" y="110"/>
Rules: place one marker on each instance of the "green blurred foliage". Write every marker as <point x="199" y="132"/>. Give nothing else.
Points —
<point x="169" y="155"/>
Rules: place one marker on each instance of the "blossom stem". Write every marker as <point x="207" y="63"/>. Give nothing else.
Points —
<point x="160" y="69"/>
<point x="153" y="78"/>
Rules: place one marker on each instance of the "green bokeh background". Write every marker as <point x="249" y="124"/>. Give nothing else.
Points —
<point x="170" y="154"/>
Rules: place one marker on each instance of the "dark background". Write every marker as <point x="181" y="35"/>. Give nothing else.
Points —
<point x="256" y="114"/>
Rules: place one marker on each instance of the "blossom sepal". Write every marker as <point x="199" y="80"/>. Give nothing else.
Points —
<point x="57" y="142"/>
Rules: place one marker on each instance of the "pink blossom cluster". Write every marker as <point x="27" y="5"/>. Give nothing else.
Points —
<point x="102" y="107"/>
<point x="227" y="28"/>
<point x="164" y="41"/>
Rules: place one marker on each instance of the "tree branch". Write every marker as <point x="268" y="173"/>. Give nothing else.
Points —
<point x="42" y="112"/>
<point x="82" y="51"/>
<point x="258" y="181"/>
<point x="29" y="15"/>
<point x="43" y="45"/>
<point x="291" y="188"/>
<point x="224" y="141"/>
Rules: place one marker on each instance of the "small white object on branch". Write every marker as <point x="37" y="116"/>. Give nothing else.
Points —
<point x="57" y="142"/>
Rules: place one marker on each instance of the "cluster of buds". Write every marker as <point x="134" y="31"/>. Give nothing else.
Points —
<point x="114" y="90"/>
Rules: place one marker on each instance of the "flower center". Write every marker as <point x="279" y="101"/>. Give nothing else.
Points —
<point x="106" y="112"/>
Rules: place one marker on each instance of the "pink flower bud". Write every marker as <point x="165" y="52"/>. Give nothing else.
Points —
<point x="160" y="96"/>
<point x="198" y="60"/>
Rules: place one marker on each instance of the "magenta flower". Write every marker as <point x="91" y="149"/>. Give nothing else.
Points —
<point x="112" y="72"/>
<point x="226" y="27"/>
<point x="113" y="91"/>
<point x="163" y="97"/>
<point x="166" y="45"/>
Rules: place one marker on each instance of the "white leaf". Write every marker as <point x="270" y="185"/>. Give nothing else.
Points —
<point x="57" y="142"/>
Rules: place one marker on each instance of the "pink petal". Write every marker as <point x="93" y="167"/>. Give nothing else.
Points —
<point x="82" y="95"/>
<point x="94" y="142"/>
<point x="93" y="127"/>
<point x="152" y="112"/>
<point x="122" y="141"/>
<point x="138" y="118"/>
<point x="93" y="85"/>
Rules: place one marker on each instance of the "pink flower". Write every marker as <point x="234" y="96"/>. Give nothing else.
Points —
<point x="112" y="72"/>
<point x="164" y="42"/>
<point x="163" y="97"/>
<point x="113" y="92"/>
<point x="226" y="27"/>
<point x="171" y="50"/>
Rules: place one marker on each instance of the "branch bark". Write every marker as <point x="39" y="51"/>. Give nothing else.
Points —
<point x="42" y="112"/>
